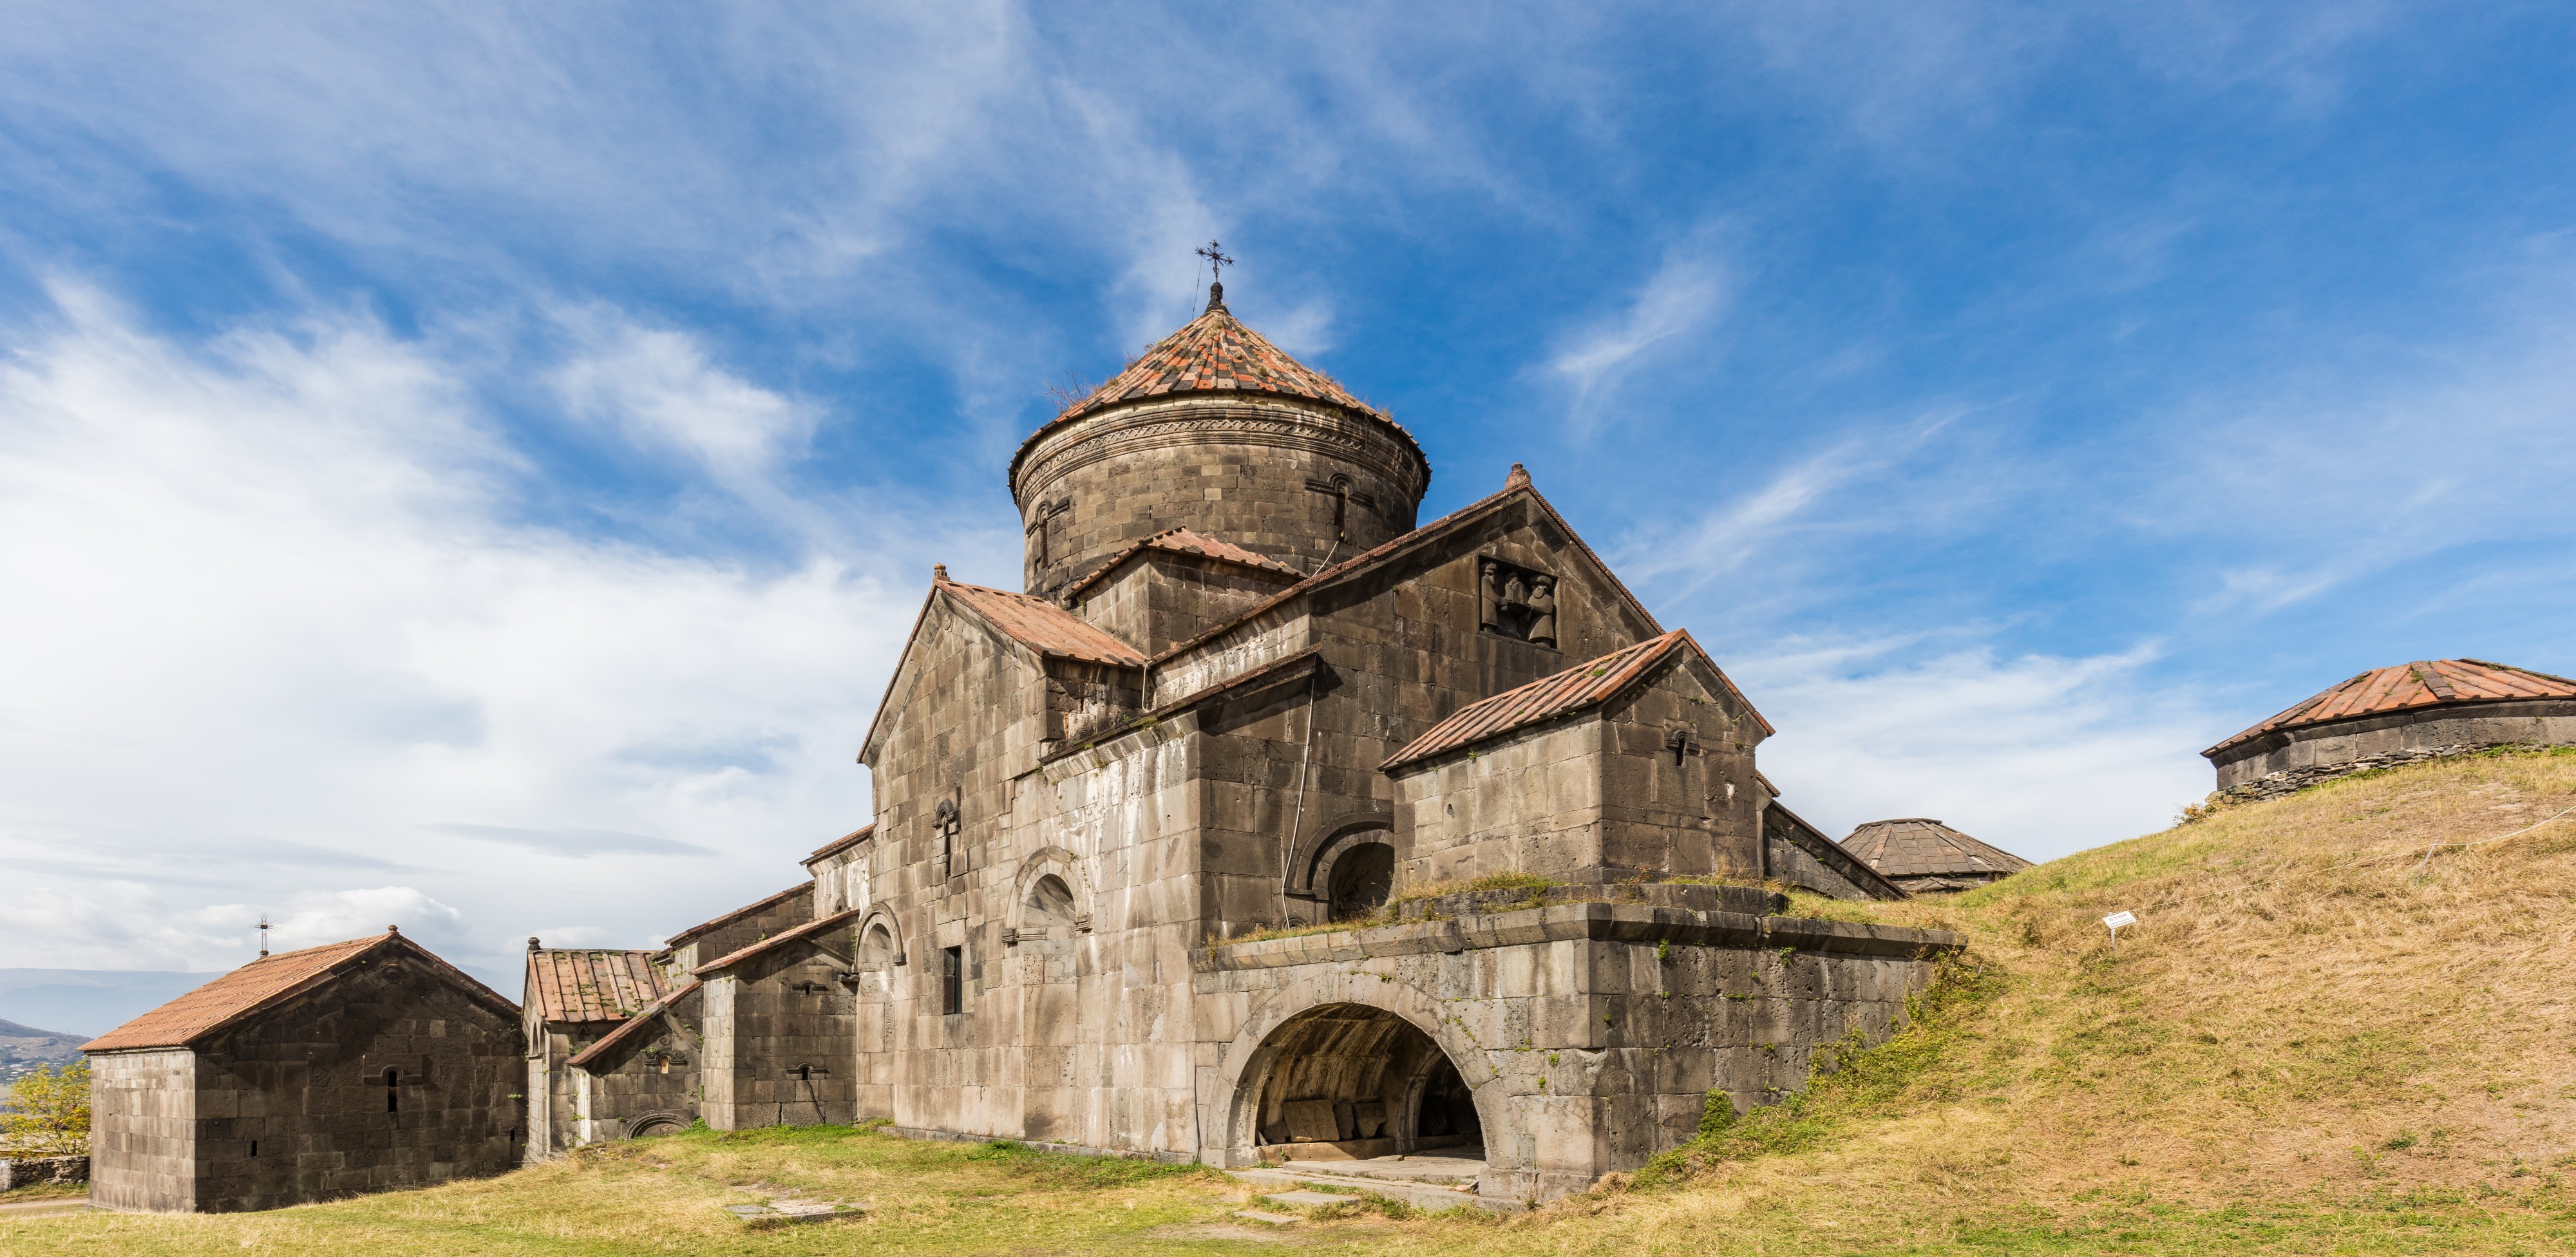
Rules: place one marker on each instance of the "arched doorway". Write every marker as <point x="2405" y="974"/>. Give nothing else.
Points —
<point x="1362" y="1080"/>
<point x="1363" y="877"/>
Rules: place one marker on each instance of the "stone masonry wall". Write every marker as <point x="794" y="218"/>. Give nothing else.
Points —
<point x="1590" y="1033"/>
<point x="2311" y="755"/>
<point x="293" y="1107"/>
<point x="1235" y="469"/>
<point x="1162" y="599"/>
<point x="143" y="1130"/>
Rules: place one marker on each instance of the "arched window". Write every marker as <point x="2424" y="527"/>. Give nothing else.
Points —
<point x="1050" y="904"/>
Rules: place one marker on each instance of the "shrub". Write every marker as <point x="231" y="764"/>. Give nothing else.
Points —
<point x="48" y="1109"/>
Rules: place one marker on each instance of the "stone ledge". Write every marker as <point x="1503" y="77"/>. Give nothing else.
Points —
<point x="1577" y="922"/>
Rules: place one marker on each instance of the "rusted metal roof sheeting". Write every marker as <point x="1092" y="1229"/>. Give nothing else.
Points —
<point x="2423" y="683"/>
<point x="1918" y="846"/>
<point x="1581" y="686"/>
<point x="569" y="985"/>
<point x="1043" y="626"/>
<point x="233" y="995"/>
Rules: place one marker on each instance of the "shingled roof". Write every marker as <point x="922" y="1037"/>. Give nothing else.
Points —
<point x="1582" y="686"/>
<point x="266" y="983"/>
<point x="1918" y="846"/>
<point x="572" y="985"/>
<point x="1041" y="625"/>
<point x="1183" y="541"/>
<point x="2423" y="683"/>
<point x="1212" y="353"/>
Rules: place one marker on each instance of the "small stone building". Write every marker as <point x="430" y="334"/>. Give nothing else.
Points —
<point x="1176" y="849"/>
<point x="2429" y="709"/>
<point x="1926" y="857"/>
<point x="576" y="997"/>
<point x="307" y="1075"/>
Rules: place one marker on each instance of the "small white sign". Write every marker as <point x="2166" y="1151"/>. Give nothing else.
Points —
<point x="2118" y="919"/>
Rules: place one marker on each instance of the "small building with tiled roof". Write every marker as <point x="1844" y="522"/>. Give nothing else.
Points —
<point x="1926" y="857"/>
<point x="2428" y="709"/>
<point x="574" y="997"/>
<point x="309" y="1075"/>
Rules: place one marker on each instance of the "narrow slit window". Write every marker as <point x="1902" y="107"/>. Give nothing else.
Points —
<point x="393" y="1091"/>
<point x="254" y="1147"/>
<point x="952" y="980"/>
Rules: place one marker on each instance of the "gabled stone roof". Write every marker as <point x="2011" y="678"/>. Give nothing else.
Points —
<point x="1918" y="846"/>
<point x="757" y="905"/>
<point x="777" y="940"/>
<point x="1515" y="488"/>
<point x="268" y="982"/>
<point x="1183" y="541"/>
<point x="578" y="985"/>
<point x="842" y="843"/>
<point x="1585" y="685"/>
<point x="634" y="1025"/>
<point x="2423" y="683"/>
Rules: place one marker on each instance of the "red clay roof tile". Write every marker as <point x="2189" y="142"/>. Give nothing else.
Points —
<point x="2406" y="686"/>
<point x="1212" y="353"/>
<point x="1183" y="541"/>
<point x="1043" y="626"/>
<point x="211" y="1006"/>
<point x="1581" y="686"/>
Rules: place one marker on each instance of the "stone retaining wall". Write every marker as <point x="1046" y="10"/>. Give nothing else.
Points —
<point x="29" y="1171"/>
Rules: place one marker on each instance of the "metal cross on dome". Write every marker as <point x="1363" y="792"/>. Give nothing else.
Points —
<point x="1215" y="254"/>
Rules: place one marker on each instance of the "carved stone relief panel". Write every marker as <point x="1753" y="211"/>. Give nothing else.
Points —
<point x="1517" y="602"/>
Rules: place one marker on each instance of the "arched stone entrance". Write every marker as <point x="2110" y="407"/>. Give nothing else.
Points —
<point x="1354" y="1080"/>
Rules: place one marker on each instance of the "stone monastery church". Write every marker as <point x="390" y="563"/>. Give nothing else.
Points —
<point x="1263" y="822"/>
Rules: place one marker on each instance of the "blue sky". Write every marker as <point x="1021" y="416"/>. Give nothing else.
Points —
<point x="475" y="466"/>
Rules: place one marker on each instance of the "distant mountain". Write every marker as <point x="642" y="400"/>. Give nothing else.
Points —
<point x="87" y="1003"/>
<point x="24" y="1047"/>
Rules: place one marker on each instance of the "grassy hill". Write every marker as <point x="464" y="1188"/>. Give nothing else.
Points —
<point x="2318" y="1040"/>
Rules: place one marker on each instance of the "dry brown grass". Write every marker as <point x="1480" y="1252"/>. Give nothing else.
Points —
<point x="2308" y="1013"/>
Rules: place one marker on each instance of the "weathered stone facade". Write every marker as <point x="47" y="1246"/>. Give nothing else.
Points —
<point x="307" y="1076"/>
<point x="1244" y="696"/>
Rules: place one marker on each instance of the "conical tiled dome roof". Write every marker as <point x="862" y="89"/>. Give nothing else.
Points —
<point x="1213" y="353"/>
<point x="2424" y="683"/>
<point x="1918" y="846"/>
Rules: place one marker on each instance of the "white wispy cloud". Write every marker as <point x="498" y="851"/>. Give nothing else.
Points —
<point x="2042" y="755"/>
<point x="1682" y="298"/>
<point x="291" y="627"/>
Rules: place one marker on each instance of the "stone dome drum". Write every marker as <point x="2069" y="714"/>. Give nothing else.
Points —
<point x="1215" y="430"/>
